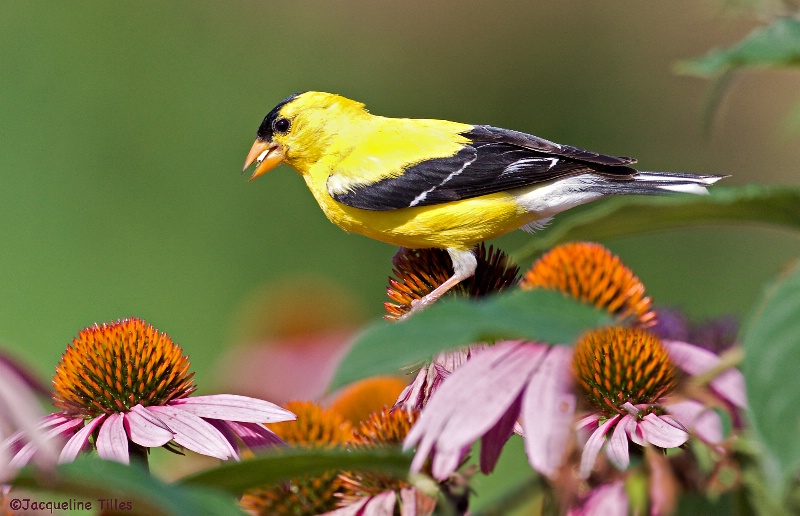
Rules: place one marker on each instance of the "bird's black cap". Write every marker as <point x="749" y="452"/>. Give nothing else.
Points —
<point x="265" y="129"/>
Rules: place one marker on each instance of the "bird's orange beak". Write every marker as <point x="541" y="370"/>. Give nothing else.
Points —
<point x="267" y="155"/>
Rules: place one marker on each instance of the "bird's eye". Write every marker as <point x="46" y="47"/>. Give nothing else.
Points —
<point x="281" y="125"/>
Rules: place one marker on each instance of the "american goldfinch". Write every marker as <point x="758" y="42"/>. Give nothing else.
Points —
<point x="422" y="183"/>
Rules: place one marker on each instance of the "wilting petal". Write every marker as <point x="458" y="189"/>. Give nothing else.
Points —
<point x="605" y="500"/>
<point x="593" y="446"/>
<point x="729" y="384"/>
<point x="470" y="402"/>
<point x="496" y="437"/>
<point x="146" y="429"/>
<point x="194" y="433"/>
<point x="656" y="430"/>
<point x="548" y="408"/>
<point x="231" y="407"/>
<point x="78" y="441"/>
<point x="617" y="448"/>
<point x="255" y="435"/>
<point x="112" y="441"/>
<point x="411" y="397"/>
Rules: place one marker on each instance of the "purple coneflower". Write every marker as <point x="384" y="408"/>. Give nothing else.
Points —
<point x="627" y="374"/>
<point x="315" y="428"/>
<point x="374" y="493"/>
<point x="419" y="271"/>
<point x="129" y="386"/>
<point x="629" y="377"/>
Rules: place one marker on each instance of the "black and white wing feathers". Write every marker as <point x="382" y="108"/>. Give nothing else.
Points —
<point x="496" y="160"/>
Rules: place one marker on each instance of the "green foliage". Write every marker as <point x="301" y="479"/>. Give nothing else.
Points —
<point x="621" y="216"/>
<point x="235" y="477"/>
<point x="387" y="347"/>
<point x="771" y="340"/>
<point x="775" y="45"/>
<point x="95" y="479"/>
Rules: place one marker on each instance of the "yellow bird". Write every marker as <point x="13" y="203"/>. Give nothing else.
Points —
<point x="422" y="183"/>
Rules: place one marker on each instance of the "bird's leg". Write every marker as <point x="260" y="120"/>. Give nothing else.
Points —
<point x="464" y="265"/>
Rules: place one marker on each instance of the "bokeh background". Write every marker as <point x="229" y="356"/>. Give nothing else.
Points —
<point x="125" y="125"/>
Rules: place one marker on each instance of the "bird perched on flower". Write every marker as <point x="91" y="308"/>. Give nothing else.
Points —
<point x="421" y="183"/>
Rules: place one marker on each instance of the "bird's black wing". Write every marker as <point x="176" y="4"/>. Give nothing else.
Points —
<point x="495" y="161"/>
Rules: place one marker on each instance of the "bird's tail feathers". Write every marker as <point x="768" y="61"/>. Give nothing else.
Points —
<point x="650" y="183"/>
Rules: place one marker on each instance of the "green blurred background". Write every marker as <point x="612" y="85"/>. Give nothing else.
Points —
<point x="125" y="125"/>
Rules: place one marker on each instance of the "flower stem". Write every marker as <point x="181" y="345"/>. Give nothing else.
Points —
<point x="730" y="358"/>
<point x="139" y="455"/>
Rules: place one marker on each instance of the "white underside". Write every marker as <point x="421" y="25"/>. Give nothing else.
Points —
<point x="560" y="195"/>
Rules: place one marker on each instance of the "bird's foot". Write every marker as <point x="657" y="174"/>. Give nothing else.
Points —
<point x="417" y="305"/>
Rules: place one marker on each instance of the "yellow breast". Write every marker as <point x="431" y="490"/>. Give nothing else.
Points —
<point x="460" y="224"/>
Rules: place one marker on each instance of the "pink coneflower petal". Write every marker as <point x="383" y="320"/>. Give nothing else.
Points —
<point x="408" y="498"/>
<point x="254" y="435"/>
<point x="23" y="456"/>
<point x="51" y="427"/>
<point x="658" y="431"/>
<point x="78" y="441"/>
<point x="194" y="433"/>
<point x="226" y="432"/>
<point x="631" y="424"/>
<point x="145" y="429"/>
<point x="592" y="447"/>
<point x="234" y="408"/>
<point x="19" y="410"/>
<point x="446" y="460"/>
<point x="15" y="441"/>
<point x="547" y="411"/>
<point x="617" y="449"/>
<point x="471" y="402"/>
<point x="695" y="360"/>
<point x="112" y="441"/>
<point x="605" y="500"/>
<point x="493" y="440"/>
<point x="381" y="504"/>
<point x="699" y="419"/>
<point x="589" y="420"/>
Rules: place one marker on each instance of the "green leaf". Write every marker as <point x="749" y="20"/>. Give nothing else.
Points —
<point x="387" y="347"/>
<point x="771" y="342"/>
<point x="92" y="480"/>
<point x="775" y="45"/>
<point x="623" y="215"/>
<point x="235" y="477"/>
